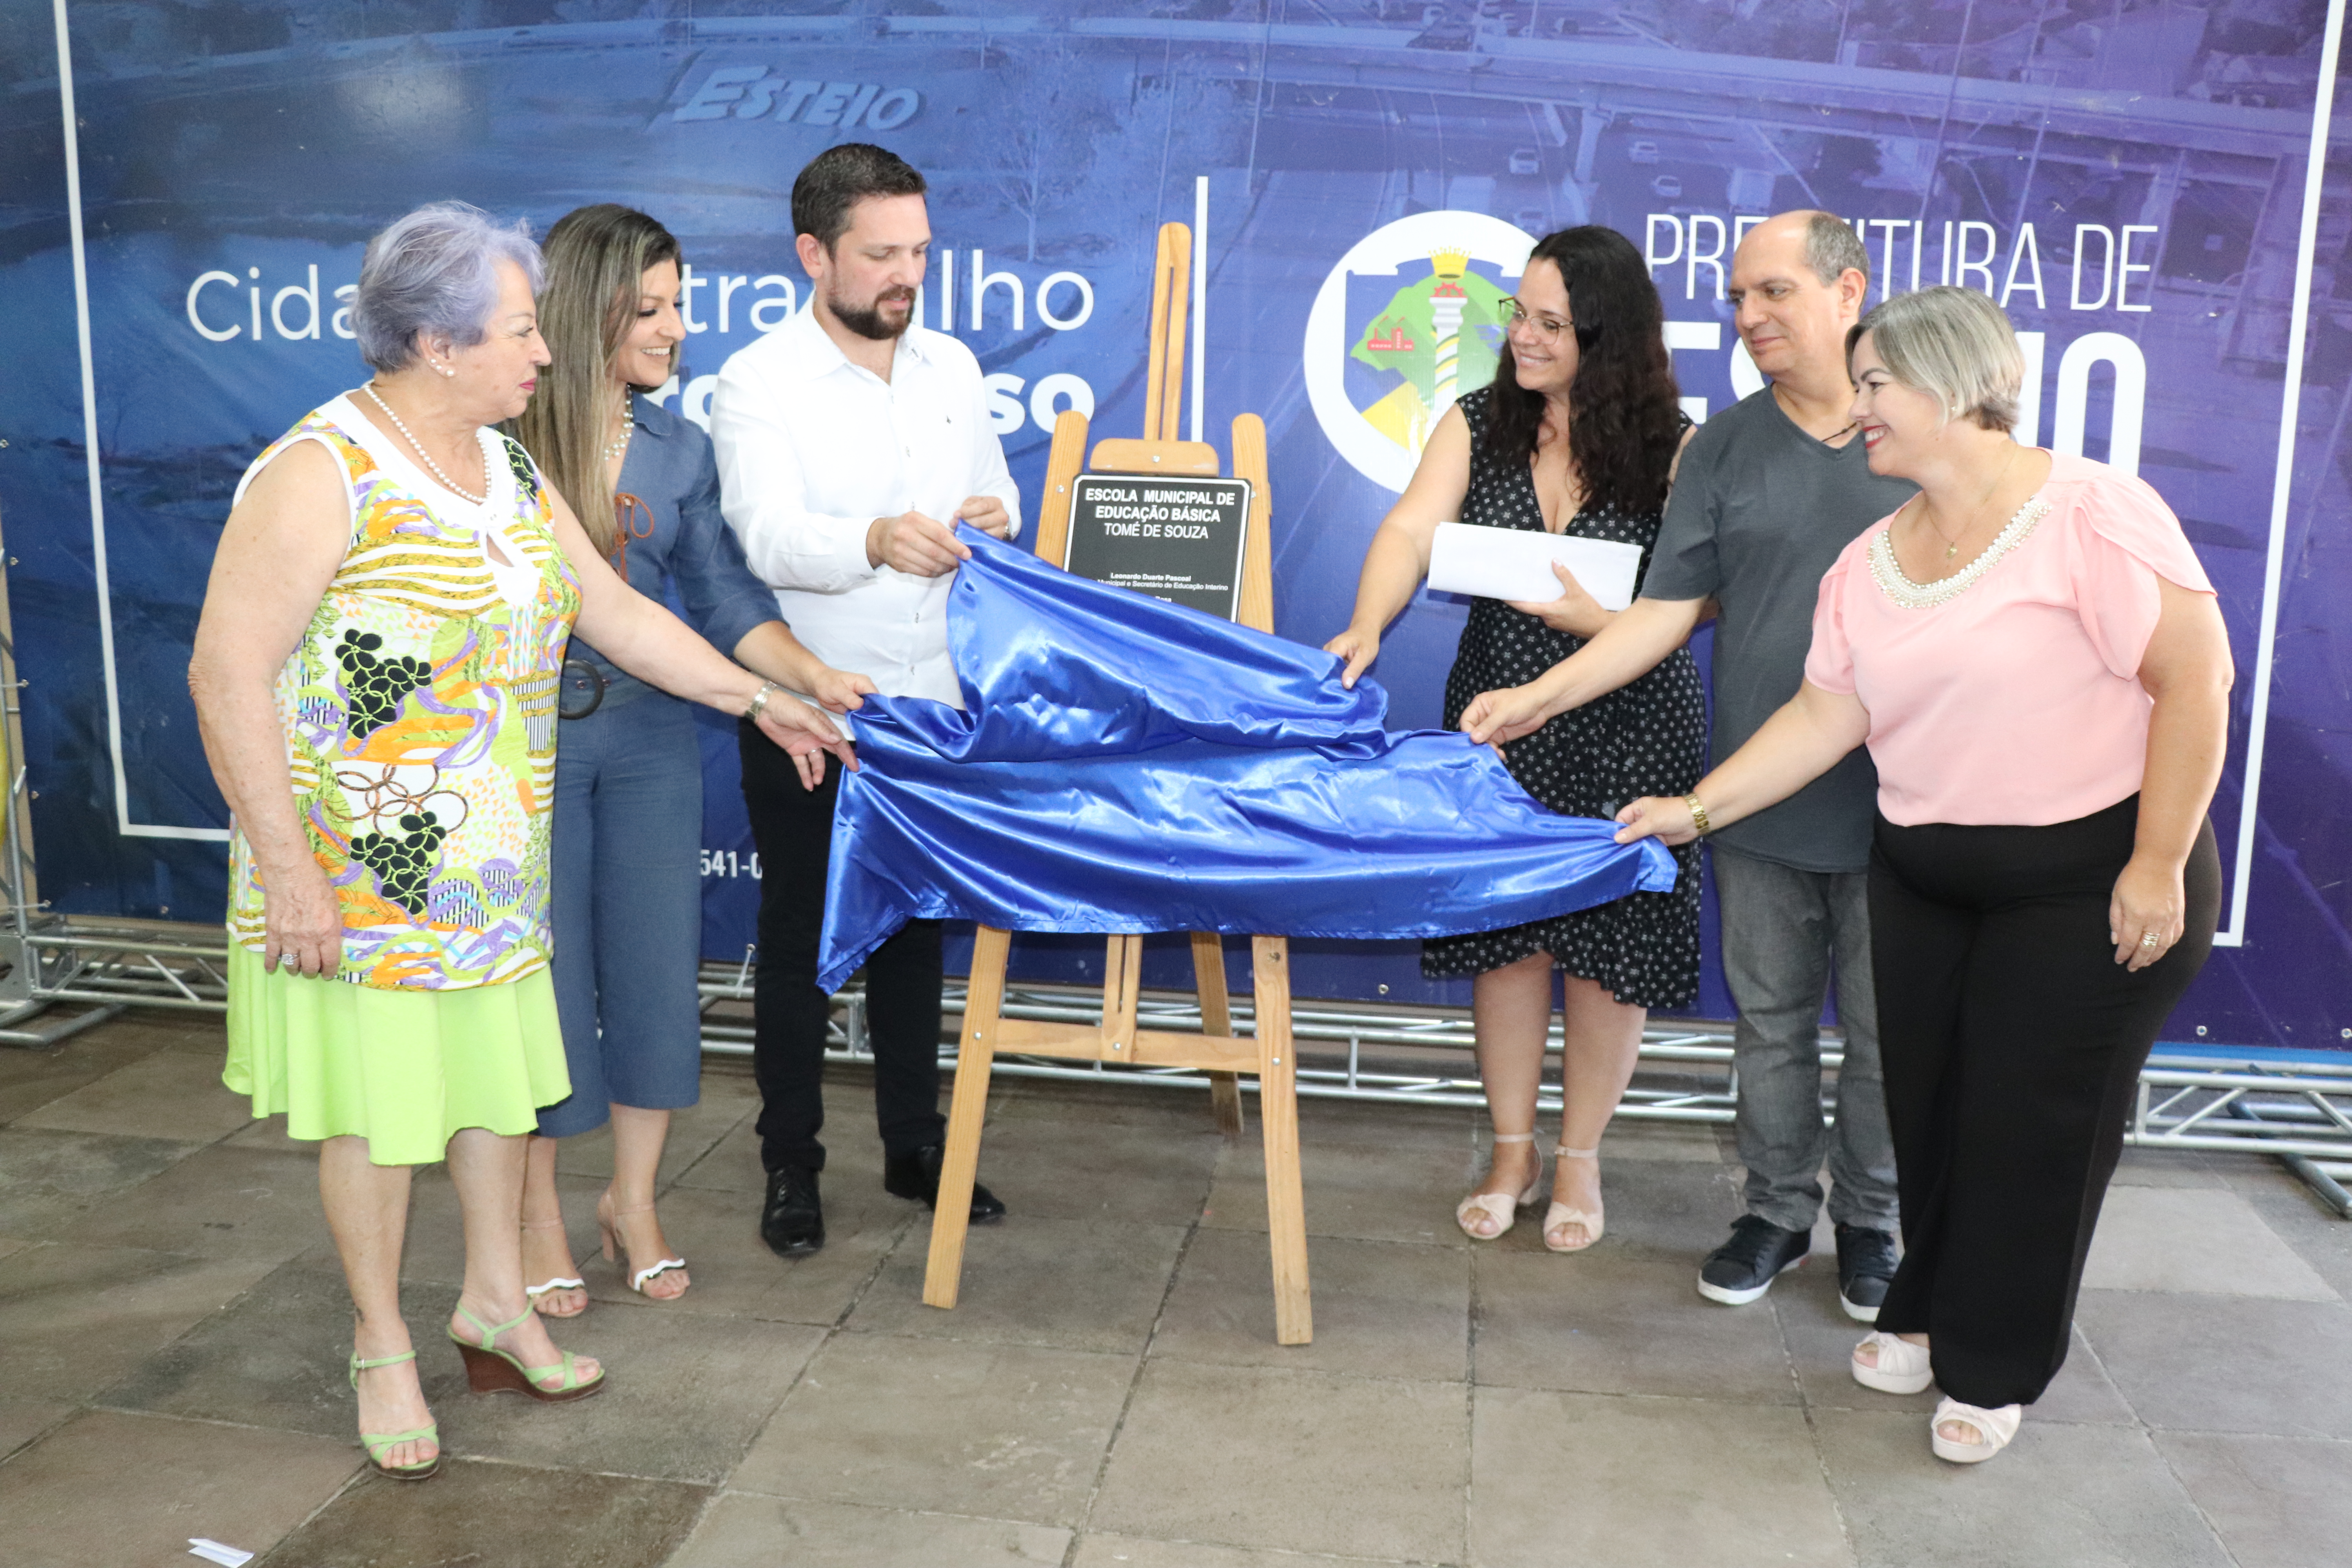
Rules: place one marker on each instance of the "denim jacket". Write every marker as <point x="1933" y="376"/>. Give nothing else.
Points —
<point x="677" y="537"/>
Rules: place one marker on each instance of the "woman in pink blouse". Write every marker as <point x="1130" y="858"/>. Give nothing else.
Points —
<point x="2037" y="663"/>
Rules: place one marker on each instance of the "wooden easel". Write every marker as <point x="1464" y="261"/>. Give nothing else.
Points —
<point x="1216" y="1050"/>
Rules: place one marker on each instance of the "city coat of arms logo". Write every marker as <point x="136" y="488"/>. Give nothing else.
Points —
<point x="1409" y="320"/>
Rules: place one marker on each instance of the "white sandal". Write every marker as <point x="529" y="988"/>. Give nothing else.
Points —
<point x="531" y="1293"/>
<point x="1995" y="1426"/>
<point x="1500" y="1209"/>
<point x="1902" y="1367"/>
<point x="1559" y="1213"/>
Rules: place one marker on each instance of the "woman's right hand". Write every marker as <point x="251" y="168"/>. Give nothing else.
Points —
<point x="839" y="690"/>
<point x="1665" y="819"/>
<point x="1494" y="718"/>
<point x="302" y="921"/>
<point x="1358" y="650"/>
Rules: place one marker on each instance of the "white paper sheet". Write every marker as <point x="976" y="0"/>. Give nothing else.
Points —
<point x="214" y="1552"/>
<point x="1516" y="563"/>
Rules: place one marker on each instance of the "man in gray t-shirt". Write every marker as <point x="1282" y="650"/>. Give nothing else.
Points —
<point x="1766" y="496"/>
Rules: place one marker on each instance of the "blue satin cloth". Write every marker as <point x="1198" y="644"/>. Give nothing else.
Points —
<point x="1122" y="765"/>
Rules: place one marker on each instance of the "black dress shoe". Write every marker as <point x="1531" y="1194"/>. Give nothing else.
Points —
<point x="916" y="1175"/>
<point x="791" y="1221"/>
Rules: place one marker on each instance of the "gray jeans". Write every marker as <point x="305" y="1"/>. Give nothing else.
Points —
<point x="1783" y="932"/>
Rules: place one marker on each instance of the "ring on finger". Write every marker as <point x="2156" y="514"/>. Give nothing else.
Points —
<point x="2151" y="939"/>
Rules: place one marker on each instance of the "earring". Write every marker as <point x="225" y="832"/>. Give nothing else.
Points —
<point x="444" y="369"/>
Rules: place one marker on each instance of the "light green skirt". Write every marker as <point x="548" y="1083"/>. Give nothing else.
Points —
<point x="404" y="1069"/>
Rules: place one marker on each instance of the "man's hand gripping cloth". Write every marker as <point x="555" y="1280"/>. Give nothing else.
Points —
<point x="1122" y="765"/>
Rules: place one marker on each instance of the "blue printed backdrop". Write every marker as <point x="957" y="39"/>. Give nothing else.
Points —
<point x="2128" y="176"/>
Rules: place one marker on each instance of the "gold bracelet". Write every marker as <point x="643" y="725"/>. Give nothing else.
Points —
<point x="1698" y="813"/>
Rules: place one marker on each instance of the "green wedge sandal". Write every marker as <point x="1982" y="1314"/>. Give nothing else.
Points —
<point x="489" y="1370"/>
<point x="377" y="1443"/>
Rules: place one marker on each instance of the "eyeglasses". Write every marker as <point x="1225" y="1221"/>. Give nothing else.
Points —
<point x="1548" y="328"/>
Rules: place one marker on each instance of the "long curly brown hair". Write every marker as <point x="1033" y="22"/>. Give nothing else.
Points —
<point x="1625" y="420"/>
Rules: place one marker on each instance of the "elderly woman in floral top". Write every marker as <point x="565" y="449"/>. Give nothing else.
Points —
<point x="375" y="674"/>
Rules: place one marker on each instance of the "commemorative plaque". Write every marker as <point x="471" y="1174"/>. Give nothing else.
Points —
<point x="1175" y="537"/>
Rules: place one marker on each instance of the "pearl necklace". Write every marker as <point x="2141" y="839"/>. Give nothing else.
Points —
<point x="418" y="447"/>
<point x="619" y="444"/>
<point x="1910" y="595"/>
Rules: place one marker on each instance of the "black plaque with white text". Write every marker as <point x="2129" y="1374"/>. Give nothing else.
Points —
<point x="1175" y="538"/>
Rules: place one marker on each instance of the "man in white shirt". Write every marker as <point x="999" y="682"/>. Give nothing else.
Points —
<point x="852" y="442"/>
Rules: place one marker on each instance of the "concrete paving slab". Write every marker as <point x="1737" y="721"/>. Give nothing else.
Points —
<point x="22" y="1420"/>
<point x="1644" y="1483"/>
<point x="2226" y="1363"/>
<point x="278" y="1356"/>
<point x="1082" y="1170"/>
<point x="75" y="1319"/>
<point x="2208" y="1240"/>
<point x="50" y="1180"/>
<point x="1357" y="1190"/>
<point x="167" y="1094"/>
<point x="1383" y="1309"/>
<point x="32" y="1079"/>
<point x="219" y="1201"/>
<point x="745" y="1530"/>
<point x="2319" y="1236"/>
<point x="997" y="1431"/>
<point x="2087" y="1497"/>
<point x="1088" y="1285"/>
<point x="1619" y="1322"/>
<point x="512" y="1516"/>
<point x="853" y="1164"/>
<point x="1300" y="1461"/>
<point x="688" y="1394"/>
<point x="111" y="1487"/>
<point x="1820" y="1339"/>
<point x="1136" y="1552"/>
<point x="1110" y="1103"/>
<point x="2278" y="1502"/>
<point x="716" y="1232"/>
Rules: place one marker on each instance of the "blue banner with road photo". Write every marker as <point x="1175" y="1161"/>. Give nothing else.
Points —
<point x="2133" y="179"/>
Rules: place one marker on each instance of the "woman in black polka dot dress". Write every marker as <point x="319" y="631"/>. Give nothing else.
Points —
<point x="1577" y="434"/>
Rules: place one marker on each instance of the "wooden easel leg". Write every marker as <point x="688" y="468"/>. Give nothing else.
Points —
<point x="1277" y="1111"/>
<point x="1217" y="1018"/>
<point x="960" y="1166"/>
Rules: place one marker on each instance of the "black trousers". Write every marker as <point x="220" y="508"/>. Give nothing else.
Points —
<point x="793" y="828"/>
<point x="2013" y="1043"/>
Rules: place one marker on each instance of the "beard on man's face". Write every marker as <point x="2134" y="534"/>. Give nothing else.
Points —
<point x="876" y="319"/>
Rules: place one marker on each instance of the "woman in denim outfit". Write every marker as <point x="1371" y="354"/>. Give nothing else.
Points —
<point x="628" y="779"/>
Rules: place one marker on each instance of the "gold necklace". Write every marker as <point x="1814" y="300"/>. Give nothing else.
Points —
<point x="1952" y="545"/>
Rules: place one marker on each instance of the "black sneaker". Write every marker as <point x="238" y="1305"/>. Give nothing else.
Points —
<point x="1865" y="1267"/>
<point x="1743" y="1269"/>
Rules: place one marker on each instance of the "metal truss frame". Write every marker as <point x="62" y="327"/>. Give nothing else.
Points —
<point x="2300" y="1114"/>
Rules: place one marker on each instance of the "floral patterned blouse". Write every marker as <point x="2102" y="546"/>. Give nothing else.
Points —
<point x="419" y="715"/>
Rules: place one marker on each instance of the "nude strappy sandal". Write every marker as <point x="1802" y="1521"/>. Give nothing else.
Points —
<point x="531" y="1293"/>
<point x="1497" y="1209"/>
<point x="608" y="1221"/>
<point x="1559" y="1213"/>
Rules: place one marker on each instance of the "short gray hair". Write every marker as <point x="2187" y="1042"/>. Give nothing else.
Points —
<point x="435" y="270"/>
<point x="1954" y="344"/>
<point x="1832" y="249"/>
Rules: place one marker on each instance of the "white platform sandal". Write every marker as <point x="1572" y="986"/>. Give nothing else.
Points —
<point x="1497" y="1210"/>
<point x="1995" y="1426"/>
<point x="1902" y="1367"/>
<point x="1559" y="1213"/>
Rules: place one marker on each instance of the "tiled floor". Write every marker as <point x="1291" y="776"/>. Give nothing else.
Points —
<point x="172" y="1327"/>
